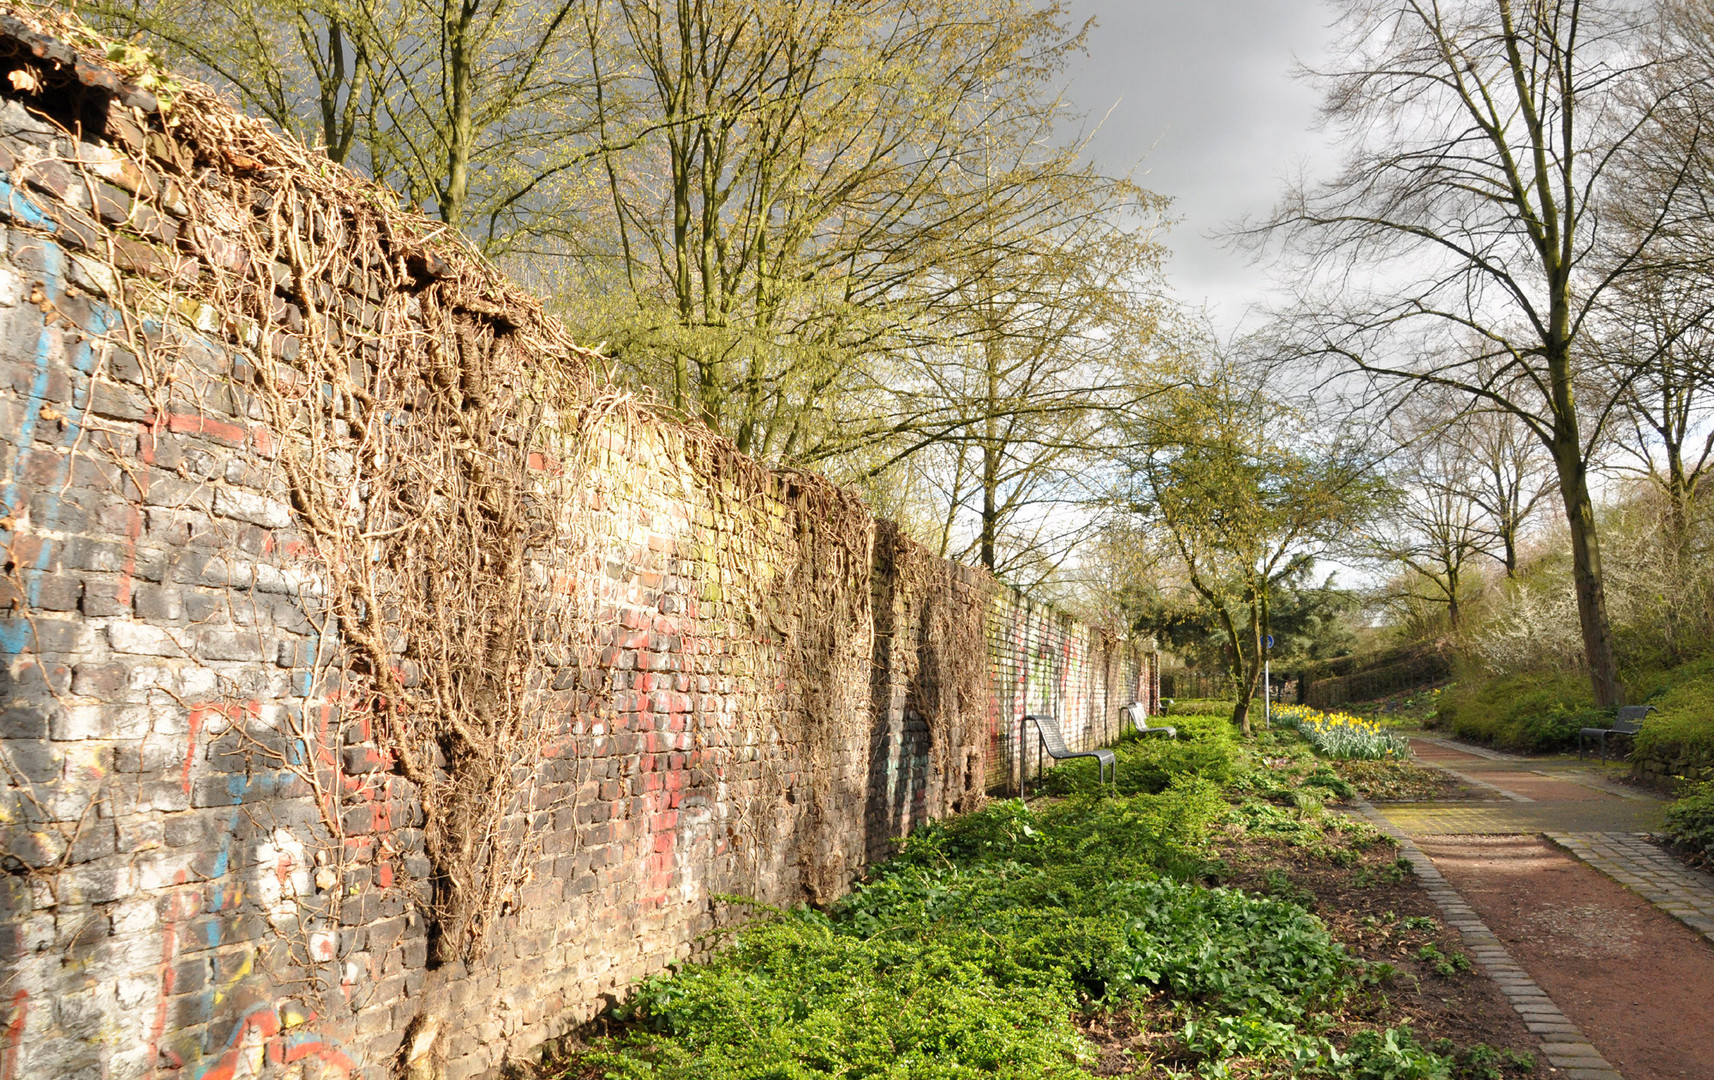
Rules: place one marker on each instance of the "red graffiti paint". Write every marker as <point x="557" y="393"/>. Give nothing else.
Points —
<point x="279" y="1050"/>
<point x="9" y="1050"/>
<point x="219" y="430"/>
<point x="190" y="745"/>
<point x="158" y="1029"/>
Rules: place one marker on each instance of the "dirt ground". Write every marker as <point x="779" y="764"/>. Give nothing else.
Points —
<point x="1637" y="982"/>
<point x="1372" y="908"/>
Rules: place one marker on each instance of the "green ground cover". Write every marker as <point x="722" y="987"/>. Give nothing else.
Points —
<point x="1683" y="727"/>
<point x="989" y="943"/>
<point x="1200" y="707"/>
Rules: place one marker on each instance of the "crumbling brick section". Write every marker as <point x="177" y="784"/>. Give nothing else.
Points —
<point x="212" y="866"/>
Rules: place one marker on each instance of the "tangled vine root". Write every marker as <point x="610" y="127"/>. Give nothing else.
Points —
<point x="444" y="444"/>
<point x="436" y="481"/>
<point x="946" y="668"/>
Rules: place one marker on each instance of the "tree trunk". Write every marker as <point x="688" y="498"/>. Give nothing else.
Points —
<point x="461" y="110"/>
<point x="1245" y="669"/>
<point x="1586" y="572"/>
<point x="990" y="502"/>
<point x="991" y="460"/>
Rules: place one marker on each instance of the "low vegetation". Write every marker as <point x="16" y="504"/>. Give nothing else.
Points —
<point x="1690" y="823"/>
<point x="1534" y="711"/>
<point x="1199" y="707"/>
<point x="1096" y="932"/>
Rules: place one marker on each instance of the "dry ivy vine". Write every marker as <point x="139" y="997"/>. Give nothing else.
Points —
<point x="442" y="442"/>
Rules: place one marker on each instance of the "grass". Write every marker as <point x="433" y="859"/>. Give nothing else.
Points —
<point x="1681" y="732"/>
<point x="1200" y="707"/>
<point x="1541" y="712"/>
<point x="1408" y="708"/>
<point x="992" y="944"/>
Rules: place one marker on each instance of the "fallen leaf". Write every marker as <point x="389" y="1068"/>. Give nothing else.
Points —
<point x="25" y="80"/>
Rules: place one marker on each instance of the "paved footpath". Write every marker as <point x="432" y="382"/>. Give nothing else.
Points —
<point x="1563" y="1043"/>
<point x="1578" y="806"/>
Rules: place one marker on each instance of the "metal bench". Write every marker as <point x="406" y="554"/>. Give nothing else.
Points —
<point x="1140" y="721"/>
<point x="1629" y="721"/>
<point x="1053" y="742"/>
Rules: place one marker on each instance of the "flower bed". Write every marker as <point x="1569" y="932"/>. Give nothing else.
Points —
<point x="1341" y="735"/>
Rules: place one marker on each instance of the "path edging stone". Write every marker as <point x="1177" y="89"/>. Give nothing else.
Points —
<point x="1563" y="1044"/>
<point x="1632" y="861"/>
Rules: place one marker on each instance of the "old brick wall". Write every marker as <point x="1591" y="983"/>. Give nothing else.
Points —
<point x="211" y="866"/>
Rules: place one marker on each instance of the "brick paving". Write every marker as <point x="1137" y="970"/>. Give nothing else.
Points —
<point x="1578" y="807"/>
<point x="1563" y="1044"/>
<point x="1607" y="816"/>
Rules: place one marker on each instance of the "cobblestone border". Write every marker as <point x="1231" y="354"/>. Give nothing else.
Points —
<point x="1634" y="862"/>
<point x="1563" y="1044"/>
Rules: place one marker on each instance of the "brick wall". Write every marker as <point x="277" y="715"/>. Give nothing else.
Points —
<point x="210" y="867"/>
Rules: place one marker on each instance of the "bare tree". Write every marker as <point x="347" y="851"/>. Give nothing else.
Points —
<point x="1512" y="477"/>
<point x="1656" y="337"/>
<point x="1043" y="350"/>
<point x="1481" y="134"/>
<point x="1435" y="528"/>
<point x="1660" y="339"/>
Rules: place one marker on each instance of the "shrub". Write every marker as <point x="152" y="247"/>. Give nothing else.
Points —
<point x="1536" y="711"/>
<point x="1690" y="820"/>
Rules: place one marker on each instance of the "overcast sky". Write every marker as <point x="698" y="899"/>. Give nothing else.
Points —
<point x="1203" y="104"/>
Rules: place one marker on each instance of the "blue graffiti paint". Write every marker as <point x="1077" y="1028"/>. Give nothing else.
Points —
<point x="14" y="635"/>
<point x="20" y="207"/>
<point x="222" y="863"/>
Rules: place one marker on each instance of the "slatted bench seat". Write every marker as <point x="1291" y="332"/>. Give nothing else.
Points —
<point x="1629" y="721"/>
<point x="1052" y="741"/>
<point x="1140" y="721"/>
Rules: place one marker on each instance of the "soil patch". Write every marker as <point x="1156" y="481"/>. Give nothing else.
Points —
<point x="1406" y="781"/>
<point x="1376" y="908"/>
<point x="1638" y="983"/>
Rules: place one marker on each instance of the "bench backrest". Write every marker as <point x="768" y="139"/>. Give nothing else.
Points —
<point x="1630" y="718"/>
<point x="1050" y="735"/>
<point x="1139" y="718"/>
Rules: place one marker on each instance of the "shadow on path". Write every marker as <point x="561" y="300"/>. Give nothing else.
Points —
<point x="1629" y="972"/>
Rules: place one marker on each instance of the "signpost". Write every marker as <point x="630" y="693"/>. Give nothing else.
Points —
<point x="1267" y="681"/>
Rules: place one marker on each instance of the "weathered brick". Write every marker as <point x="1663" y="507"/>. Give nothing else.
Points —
<point x="142" y="639"/>
<point x="174" y="528"/>
<point x="251" y="507"/>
